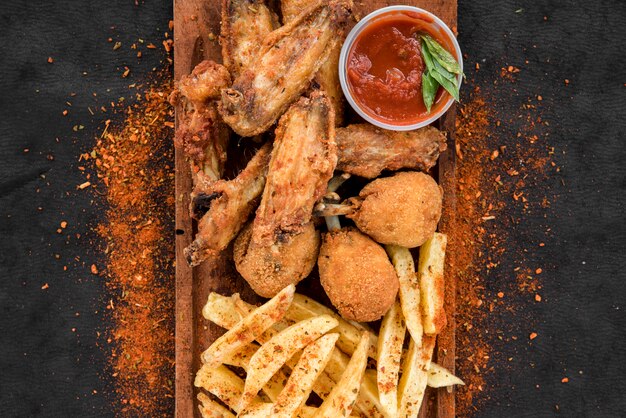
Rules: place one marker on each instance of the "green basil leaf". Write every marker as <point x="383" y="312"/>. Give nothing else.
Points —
<point x="441" y="55"/>
<point x="451" y="87"/>
<point x="447" y="74"/>
<point x="428" y="58"/>
<point x="429" y="89"/>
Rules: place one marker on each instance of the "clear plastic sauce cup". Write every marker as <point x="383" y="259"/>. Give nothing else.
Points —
<point x="436" y="24"/>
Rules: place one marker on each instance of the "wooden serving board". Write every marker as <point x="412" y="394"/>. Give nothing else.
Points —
<point x="197" y="26"/>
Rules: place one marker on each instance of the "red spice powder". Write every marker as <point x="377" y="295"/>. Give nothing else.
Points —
<point x="132" y="162"/>
<point x="500" y="182"/>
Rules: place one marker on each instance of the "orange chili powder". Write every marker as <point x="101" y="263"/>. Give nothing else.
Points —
<point x="132" y="161"/>
<point x="495" y="180"/>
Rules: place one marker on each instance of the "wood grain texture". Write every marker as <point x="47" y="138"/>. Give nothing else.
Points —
<point x="196" y="24"/>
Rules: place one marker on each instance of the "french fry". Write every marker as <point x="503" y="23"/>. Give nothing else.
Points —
<point x="226" y="311"/>
<point x="242" y="357"/>
<point x="439" y="377"/>
<point x="341" y="399"/>
<point x="303" y="376"/>
<point x="211" y="409"/>
<point x="390" y="340"/>
<point x="249" y="328"/>
<point x="367" y="403"/>
<point x="264" y="410"/>
<point x="221" y="382"/>
<point x="431" y="282"/>
<point x="273" y="354"/>
<point x="304" y="307"/>
<point x="409" y="290"/>
<point x="415" y="377"/>
<point x="244" y="309"/>
<point x="221" y="310"/>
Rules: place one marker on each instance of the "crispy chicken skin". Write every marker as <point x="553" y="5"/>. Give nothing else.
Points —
<point x="229" y="206"/>
<point x="328" y="76"/>
<point x="357" y="275"/>
<point x="302" y="163"/>
<point x="245" y="24"/>
<point x="365" y="150"/>
<point x="200" y="132"/>
<point x="402" y="210"/>
<point x="287" y="61"/>
<point x="290" y="9"/>
<point x="268" y="269"/>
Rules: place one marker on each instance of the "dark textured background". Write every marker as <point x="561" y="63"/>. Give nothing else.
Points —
<point x="47" y="369"/>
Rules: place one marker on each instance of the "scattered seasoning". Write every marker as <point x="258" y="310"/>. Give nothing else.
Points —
<point x="50" y="60"/>
<point x="500" y="180"/>
<point x="532" y="335"/>
<point x="564" y="380"/>
<point x="134" y="168"/>
<point x="45" y="286"/>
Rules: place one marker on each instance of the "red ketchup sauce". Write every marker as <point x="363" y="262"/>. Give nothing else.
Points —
<point x="385" y="67"/>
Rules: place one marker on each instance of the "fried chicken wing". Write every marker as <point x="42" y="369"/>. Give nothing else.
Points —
<point x="290" y="9"/>
<point x="365" y="150"/>
<point x="302" y="163"/>
<point x="229" y="204"/>
<point x="287" y="61"/>
<point x="328" y="76"/>
<point x="245" y="24"/>
<point x="200" y="132"/>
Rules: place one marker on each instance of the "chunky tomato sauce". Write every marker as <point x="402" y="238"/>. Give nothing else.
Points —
<point x="385" y="69"/>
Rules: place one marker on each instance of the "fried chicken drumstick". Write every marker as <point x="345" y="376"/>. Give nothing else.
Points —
<point x="365" y="150"/>
<point x="402" y="210"/>
<point x="357" y="275"/>
<point x="229" y="205"/>
<point x="287" y="61"/>
<point x="282" y="244"/>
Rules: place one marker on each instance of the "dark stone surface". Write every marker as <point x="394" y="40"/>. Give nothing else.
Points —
<point x="47" y="369"/>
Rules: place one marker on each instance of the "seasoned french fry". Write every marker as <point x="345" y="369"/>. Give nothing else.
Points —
<point x="247" y="330"/>
<point x="409" y="290"/>
<point x="341" y="399"/>
<point x="415" y="377"/>
<point x="242" y="357"/>
<point x="431" y="282"/>
<point x="226" y="311"/>
<point x="304" y="307"/>
<point x="212" y="409"/>
<point x="367" y="403"/>
<point x="264" y="410"/>
<point x="390" y="340"/>
<point x="244" y="309"/>
<point x="273" y="354"/>
<point x="304" y="374"/>
<point x="221" y="310"/>
<point x="439" y="377"/>
<point x="221" y="382"/>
